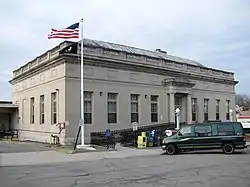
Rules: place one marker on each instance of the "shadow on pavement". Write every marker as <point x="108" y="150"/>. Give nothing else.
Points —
<point x="209" y="152"/>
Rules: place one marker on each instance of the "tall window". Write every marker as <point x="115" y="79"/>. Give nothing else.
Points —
<point x="134" y="107"/>
<point x="194" y="109"/>
<point x="54" y="108"/>
<point x="23" y="110"/>
<point x="32" y="110"/>
<point x="206" y="109"/>
<point x="154" y="108"/>
<point x="227" y="109"/>
<point x="41" y="109"/>
<point x="112" y="108"/>
<point x="217" y="109"/>
<point x="88" y="107"/>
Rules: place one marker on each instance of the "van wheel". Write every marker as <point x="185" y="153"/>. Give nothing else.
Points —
<point x="228" y="148"/>
<point x="171" y="149"/>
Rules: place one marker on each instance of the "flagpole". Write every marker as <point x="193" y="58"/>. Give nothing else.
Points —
<point x="82" y="125"/>
<point x="82" y="88"/>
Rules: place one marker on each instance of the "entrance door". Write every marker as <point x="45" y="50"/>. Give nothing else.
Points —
<point x="178" y="102"/>
<point x="9" y="122"/>
<point x="4" y="121"/>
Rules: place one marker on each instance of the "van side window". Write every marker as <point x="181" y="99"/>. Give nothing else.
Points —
<point x="238" y="128"/>
<point x="203" y="130"/>
<point x="225" y="129"/>
<point x="214" y="129"/>
<point x="185" y="131"/>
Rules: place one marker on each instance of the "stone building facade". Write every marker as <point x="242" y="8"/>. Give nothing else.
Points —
<point x="122" y="85"/>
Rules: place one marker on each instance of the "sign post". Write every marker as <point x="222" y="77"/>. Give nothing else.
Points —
<point x="108" y="134"/>
<point x="81" y="122"/>
<point x="135" y="126"/>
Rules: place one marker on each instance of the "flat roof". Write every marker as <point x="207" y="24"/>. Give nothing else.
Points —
<point x="139" y="51"/>
<point x="156" y="54"/>
<point x="7" y="104"/>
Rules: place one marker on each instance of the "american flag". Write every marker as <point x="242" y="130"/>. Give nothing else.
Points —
<point x="70" y="32"/>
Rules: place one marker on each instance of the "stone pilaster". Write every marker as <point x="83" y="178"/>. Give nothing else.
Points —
<point x="171" y="108"/>
<point x="189" y="108"/>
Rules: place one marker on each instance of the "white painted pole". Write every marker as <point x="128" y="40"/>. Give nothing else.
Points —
<point x="231" y="114"/>
<point x="82" y="88"/>
<point x="177" y="111"/>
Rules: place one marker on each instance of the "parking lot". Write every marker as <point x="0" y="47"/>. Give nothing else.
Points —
<point x="212" y="169"/>
<point x="19" y="147"/>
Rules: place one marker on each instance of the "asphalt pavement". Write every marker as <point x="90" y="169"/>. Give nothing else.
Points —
<point x="22" y="147"/>
<point x="206" y="169"/>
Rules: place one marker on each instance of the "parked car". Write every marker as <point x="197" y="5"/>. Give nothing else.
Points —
<point x="227" y="136"/>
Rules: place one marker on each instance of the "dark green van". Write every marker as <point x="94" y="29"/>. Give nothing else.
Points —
<point x="226" y="136"/>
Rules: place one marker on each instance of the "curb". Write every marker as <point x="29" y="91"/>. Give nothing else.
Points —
<point x="69" y="151"/>
<point x="65" y="151"/>
<point x="62" y="150"/>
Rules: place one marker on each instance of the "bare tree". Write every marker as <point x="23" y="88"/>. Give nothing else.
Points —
<point x="243" y="100"/>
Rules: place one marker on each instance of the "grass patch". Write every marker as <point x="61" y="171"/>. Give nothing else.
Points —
<point x="9" y="140"/>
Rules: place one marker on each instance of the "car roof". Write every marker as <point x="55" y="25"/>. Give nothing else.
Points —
<point x="214" y="122"/>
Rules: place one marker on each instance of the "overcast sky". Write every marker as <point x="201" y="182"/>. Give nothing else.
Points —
<point x="215" y="33"/>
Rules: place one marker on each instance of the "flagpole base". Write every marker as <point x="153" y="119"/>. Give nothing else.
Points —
<point x="87" y="147"/>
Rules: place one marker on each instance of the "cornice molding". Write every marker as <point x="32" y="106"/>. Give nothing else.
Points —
<point x="118" y="64"/>
<point x="39" y="69"/>
<point x="180" y="82"/>
<point x="114" y="64"/>
<point x="127" y="54"/>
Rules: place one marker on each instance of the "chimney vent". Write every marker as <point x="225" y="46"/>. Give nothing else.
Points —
<point x="161" y="51"/>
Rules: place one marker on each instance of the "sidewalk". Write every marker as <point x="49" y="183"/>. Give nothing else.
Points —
<point x="52" y="157"/>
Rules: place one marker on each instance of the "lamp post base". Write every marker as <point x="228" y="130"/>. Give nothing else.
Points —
<point x="88" y="147"/>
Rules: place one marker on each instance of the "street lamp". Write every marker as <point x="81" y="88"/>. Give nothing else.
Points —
<point x="231" y="114"/>
<point x="177" y="112"/>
